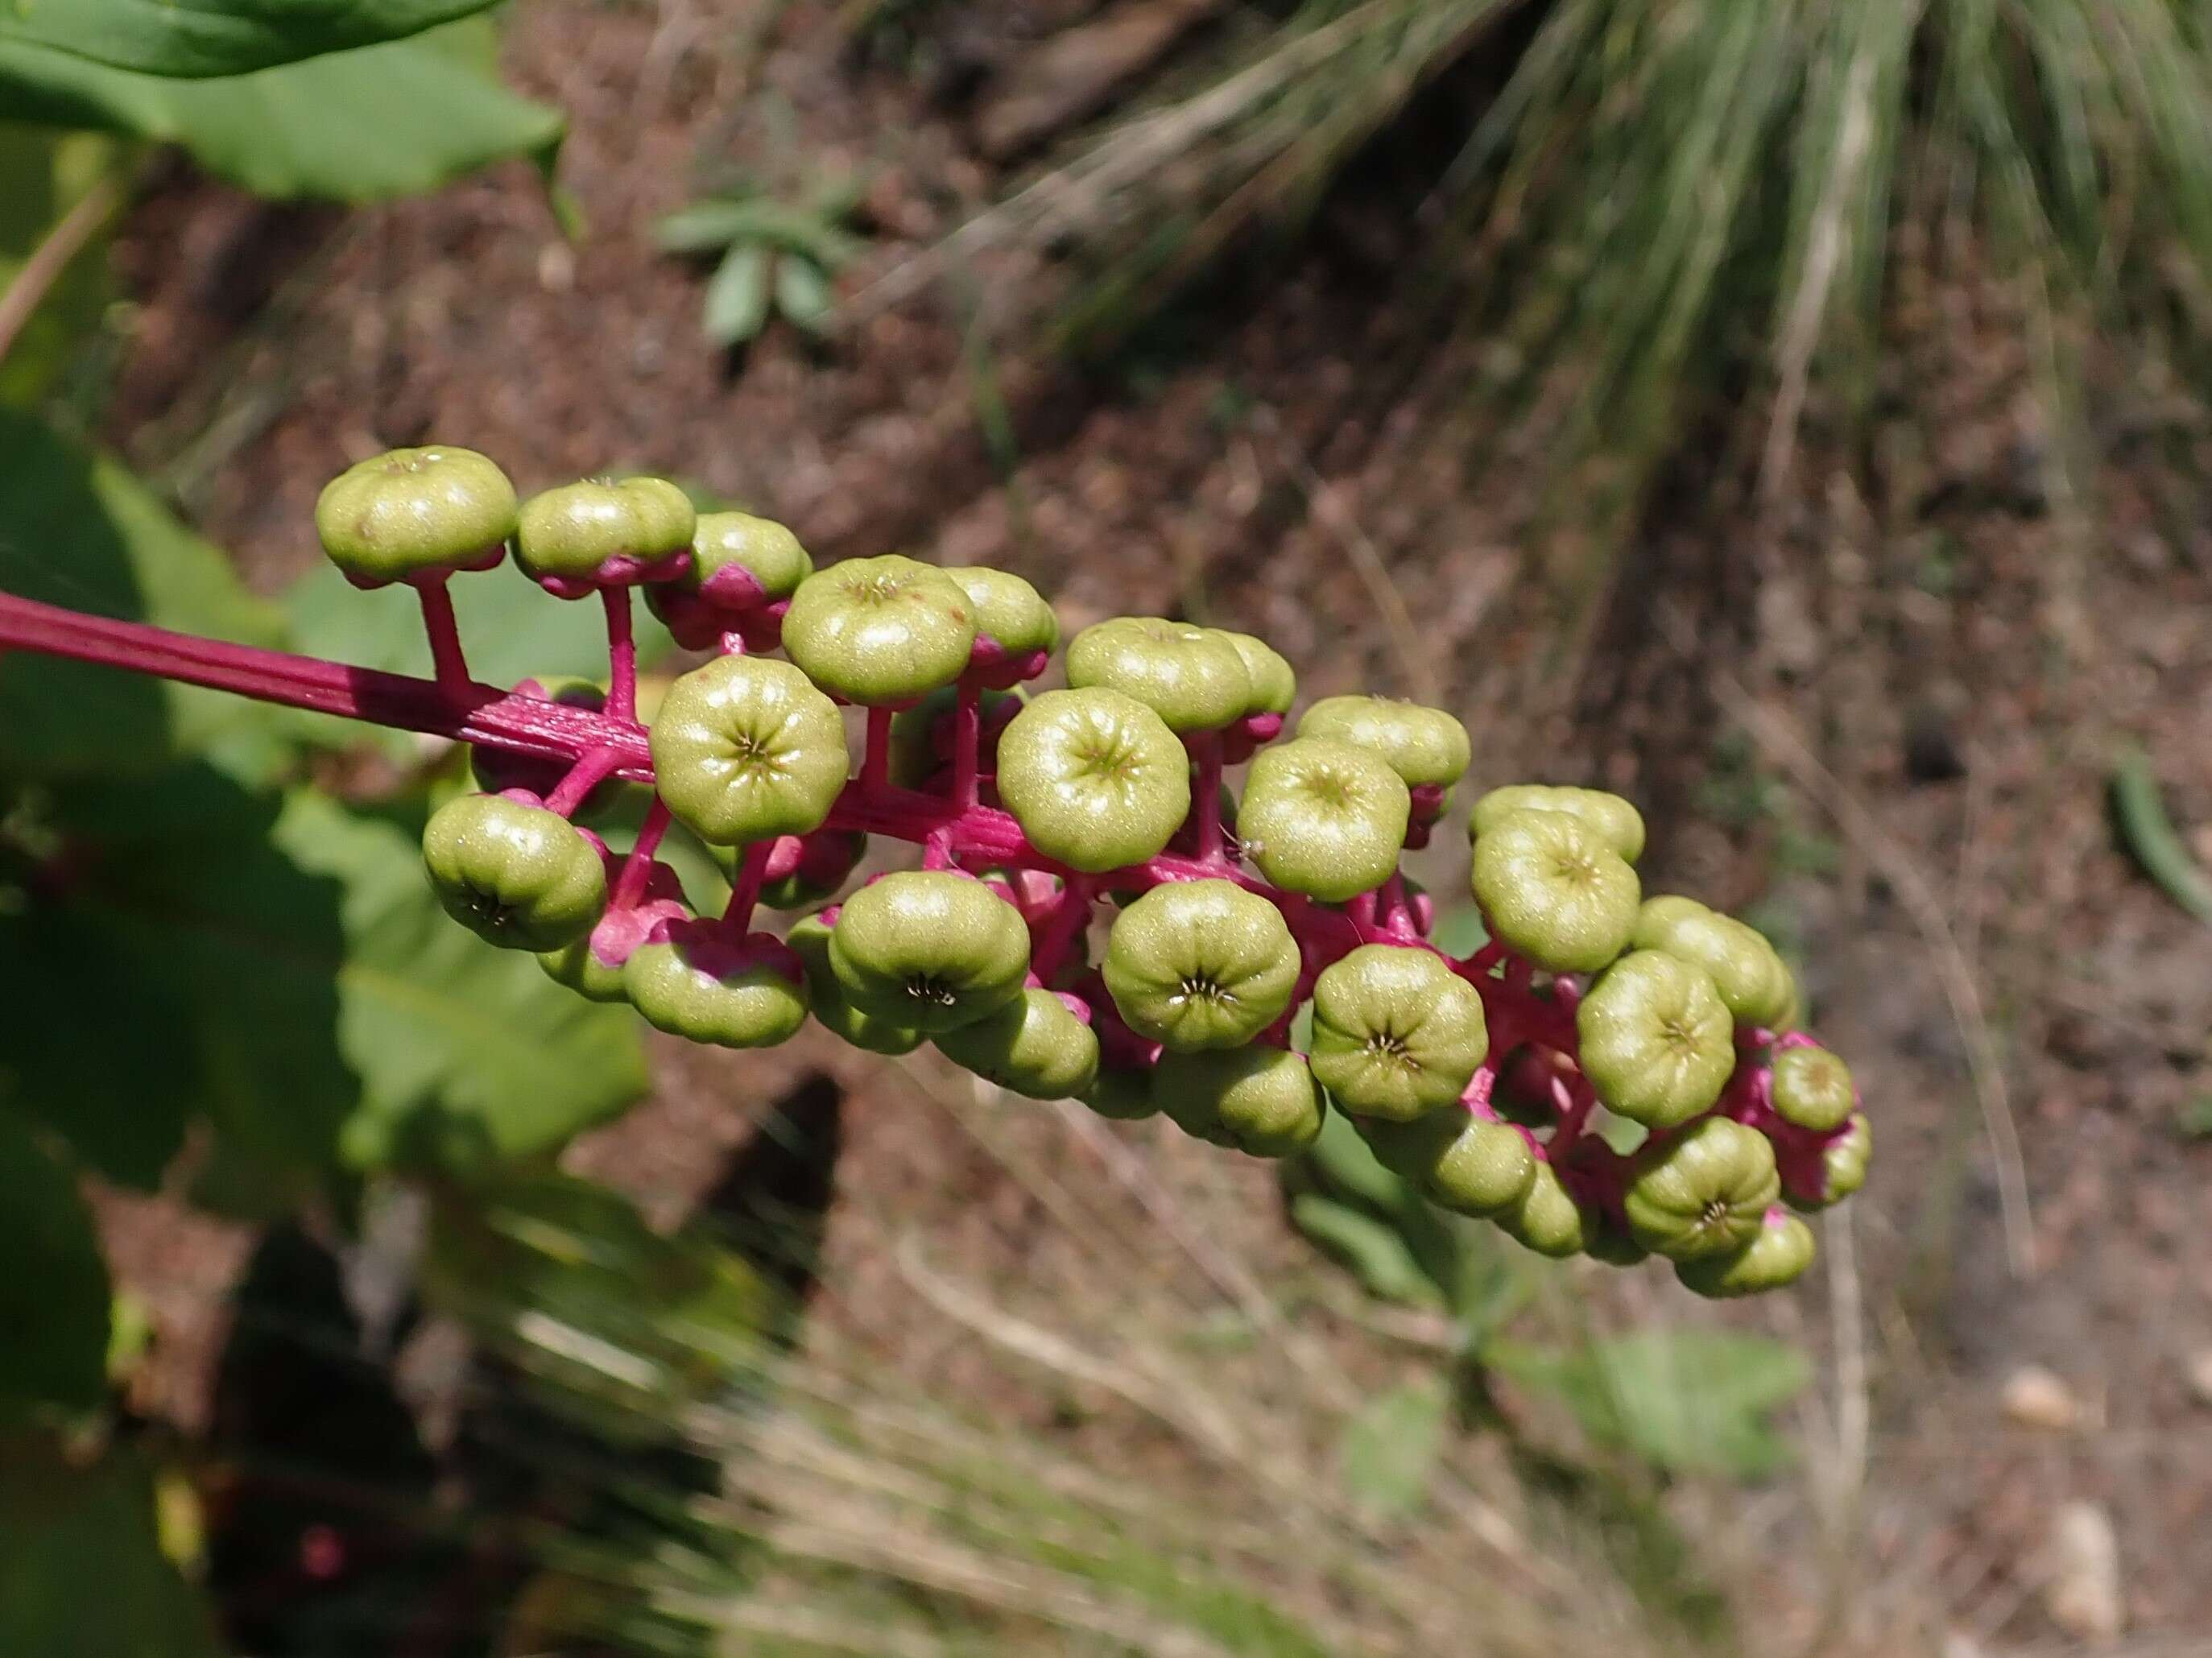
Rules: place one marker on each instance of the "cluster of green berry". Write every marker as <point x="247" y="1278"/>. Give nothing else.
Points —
<point x="1611" y="1074"/>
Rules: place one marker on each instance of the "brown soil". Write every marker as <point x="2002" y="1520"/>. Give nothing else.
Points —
<point x="1927" y="605"/>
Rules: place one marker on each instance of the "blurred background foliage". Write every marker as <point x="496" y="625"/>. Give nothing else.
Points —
<point x="471" y="1401"/>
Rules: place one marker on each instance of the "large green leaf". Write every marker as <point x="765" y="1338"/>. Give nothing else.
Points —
<point x="1684" y="1399"/>
<point x="54" y="1295"/>
<point x="464" y="1053"/>
<point x="217" y="37"/>
<point x="76" y="529"/>
<point x="185" y="967"/>
<point x="385" y="120"/>
<point x="82" y="1572"/>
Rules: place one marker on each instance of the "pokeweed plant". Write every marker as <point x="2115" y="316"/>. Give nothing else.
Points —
<point x="1479" y="1078"/>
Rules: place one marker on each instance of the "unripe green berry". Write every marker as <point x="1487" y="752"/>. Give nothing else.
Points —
<point x="1324" y="818"/>
<point x="1656" y="1040"/>
<point x="1034" y="1045"/>
<point x="882" y="631"/>
<point x="519" y="876"/>
<point x="696" y="983"/>
<point x="1750" y="977"/>
<point x="1007" y="609"/>
<point x="1704" y="1193"/>
<point x="1262" y="1100"/>
<point x="1124" y="1095"/>
<point x="734" y="551"/>
<point x="1607" y="1241"/>
<point x="1096" y="779"/>
<point x="416" y="513"/>
<point x="1779" y="1254"/>
<point x="809" y="939"/>
<point x="1461" y="1161"/>
<point x="592" y="531"/>
<point x="929" y="951"/>
<point x="1842" y="1165"/>
<point x="745" y="749"/>
<point x="1553" y="889"/>
<point x="1812" y="1089"/>
<point x="1193" y="678"/>
<point x="1274" y="685"/>
<point x="1547" y="1219"/>
<point x="1423" y="745"/>
<point x="593" y="965"/>
<point x="1396" y="1032"/>
<point x="1620" y="824"/>
<point x="1201" y="964"/>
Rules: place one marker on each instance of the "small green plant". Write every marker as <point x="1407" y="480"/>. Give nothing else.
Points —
<point x="772" y="258"/>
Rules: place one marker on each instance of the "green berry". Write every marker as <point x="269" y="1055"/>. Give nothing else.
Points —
<point x="1274" y="685"/>
<point x="1461" y="1161"/>
<point x="1095" y="778"/>
<point x="1704" y="1193"/>
<point x="1606" y="1240"/>
<point x="809" y="939"/>
<point x="519" y="876"/>
<point x="1258" y="1099"/>
<point x="756" y="559"/>
<point x="593" y="965"/>
<point x="1656" y="1040"/>
<point x="1324" y="818"/>
<point x="1008" y="609"/>
<point x="929" y="951"/>
<point x="1124" y="1095"/>
<point x="1750" y="976"/>
<point x="1843" y="1164"/>
<point x="1396" y="1032"/>
<point x="1034" y="1045"/>
<point x="695" y="983"/>
<point x="1779" y="1254"/>
<point x="1547" y="1219"/>
<point x="1423" y="745"/>
<point x="882" y="631"/>
<point x="1193" y="678"/>
<point x="1813" y="1088"/>
<point x="416" y="513"/>
<point x="1201" y="964"/>
<point x="1553" y="889"/>
<point x="595" y="530"/>
<point x="745" y="749"/>
<point x="1620" y="824"/>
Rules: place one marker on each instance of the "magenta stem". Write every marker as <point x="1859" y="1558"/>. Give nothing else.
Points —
<point x="592" y="769"/>
<point x="621" y="653"/>
<point x="745" y="894"/>
<point x="637" y="868"/>
<point x="937" y="848"/>
<point x="967" y="742"/>
<point x="1205" y="751"/>
<point x="1063" y="925"/>
<point x="448" y="661"/>
<point x="876" y="758"/>
<point x="733" y="644"/>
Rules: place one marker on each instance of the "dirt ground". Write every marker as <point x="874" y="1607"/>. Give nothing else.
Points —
<point x="1880" y="711"/>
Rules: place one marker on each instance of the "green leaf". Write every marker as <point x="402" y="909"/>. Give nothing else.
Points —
<point x="83" y="1571"/>
<point x="217" y="37"/>
<point x="735" y="308"/>
<point x="1689" y="1401"/>
<point x="76" y="529"/>
<point x="1390" y="1450"/>
<point x="54" y="1294"/>
<point x="1460" y="932"/>
<point x="1373" y="1251"/>
<point x="326" y="127"/>
<point x="2149" y="835"/>
<point x="186" y="968"/>
<point x="1348" y="1168"/>
<point x="703" y="226"/>
<point x="465" y="1053"/>
<point x="802" y="293"/>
